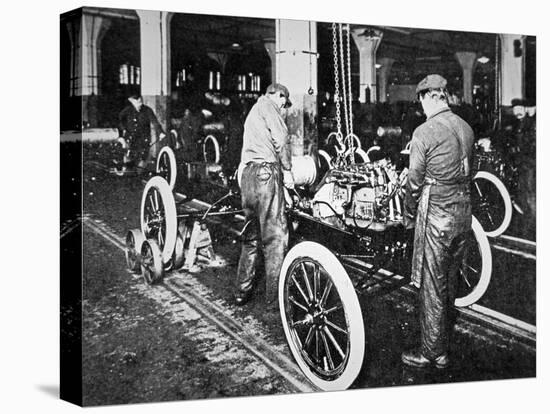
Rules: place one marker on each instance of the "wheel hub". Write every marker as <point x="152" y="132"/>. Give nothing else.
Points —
<point x="317" y="315"/>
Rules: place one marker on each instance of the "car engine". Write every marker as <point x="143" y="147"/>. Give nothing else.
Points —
<point x="366" y="195"/>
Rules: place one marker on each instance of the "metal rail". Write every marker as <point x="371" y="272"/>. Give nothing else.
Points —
<point x="279" y="363"/>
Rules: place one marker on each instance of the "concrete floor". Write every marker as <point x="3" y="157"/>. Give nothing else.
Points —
<point x="390" y="321"/>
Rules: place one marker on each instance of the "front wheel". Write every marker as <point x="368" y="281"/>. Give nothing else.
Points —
<point x="321" y="316"/>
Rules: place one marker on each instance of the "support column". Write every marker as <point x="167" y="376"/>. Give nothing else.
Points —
<point x="296" y="68"/>
<point x="468" y="62"/>
<point x="86" y="35"/>
<point x="269" y="45"/>
<point x="512" y="68"/>
<point x="383" y="76"/>
<point x="155" y="61"/>
<point x="367" y="41"/>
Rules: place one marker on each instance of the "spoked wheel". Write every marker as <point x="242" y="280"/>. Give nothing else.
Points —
<point x="475" y="272"/>
<point x="321" y="316"/>
<point x="166" y="166"/>
<point x="178" y="257"/>
<point x="152" y="266"/>
<point x="211" y="150"/>
<point x="491" y="203"/>
<point x="134" y="240"/>
<point x="158" y="215"/>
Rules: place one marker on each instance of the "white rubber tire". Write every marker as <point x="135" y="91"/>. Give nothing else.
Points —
<point x="170" y="216"/>
<point x="352" y="309"/>
<point x="484" y="175"/>
<point x="486" y="267"/>
<point x="216" y="149"/>
<point x="168" y="152"/>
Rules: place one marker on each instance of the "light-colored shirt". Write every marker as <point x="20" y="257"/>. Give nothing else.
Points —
<point x="266" y="135"/>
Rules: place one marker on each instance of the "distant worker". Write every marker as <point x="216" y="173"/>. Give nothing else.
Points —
<point x="437" y="205"/>
<point x="266" y="167"/>
<point x="135" y="122"/>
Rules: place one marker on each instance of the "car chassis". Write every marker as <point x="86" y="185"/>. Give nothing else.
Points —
<point x="347" y="242"/>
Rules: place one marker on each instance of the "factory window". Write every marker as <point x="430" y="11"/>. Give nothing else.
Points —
<point x="241" y="86"/>
<point x="129" y="75"/>
<point x="181" y="77"/>
<point x="255" y="83"/>
<point x="214" y="81"/>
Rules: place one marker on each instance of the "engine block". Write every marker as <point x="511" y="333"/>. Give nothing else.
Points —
<point x="359" y="195"/>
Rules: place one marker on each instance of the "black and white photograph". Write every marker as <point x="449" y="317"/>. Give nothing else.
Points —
<point x="259" y="206"/>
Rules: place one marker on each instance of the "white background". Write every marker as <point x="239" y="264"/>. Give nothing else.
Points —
<point x="29" y="220"/>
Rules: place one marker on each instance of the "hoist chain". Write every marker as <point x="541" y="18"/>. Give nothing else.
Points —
<point x="343" y="72"/>
<point x="336" y="86"/>
<point x="349" y="84"/>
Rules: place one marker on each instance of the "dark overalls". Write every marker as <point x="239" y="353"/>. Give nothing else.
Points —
<point x="264" y="155"/>
<point x="438" y="199"/>
<point x="136" y="130"/>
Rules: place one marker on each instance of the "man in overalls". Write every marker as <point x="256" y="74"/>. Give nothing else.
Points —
<point x="135" y="122"/>
<point x="266" y="167"/>
<point x="437" y="205"/>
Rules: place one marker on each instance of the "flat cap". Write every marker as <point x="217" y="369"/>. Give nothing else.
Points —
<point x="277" y="87"/>
<point x="519" y="102"/>
<point x="433" y="81"/>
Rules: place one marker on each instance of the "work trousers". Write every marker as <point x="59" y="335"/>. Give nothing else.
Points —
<point x="264" y="206"/>
<point x="139" y="150"/>
<point x="446" y="235"/>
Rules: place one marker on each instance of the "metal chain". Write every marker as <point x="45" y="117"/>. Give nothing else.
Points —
<point x="336" y="85"/>
<point x="343" y="71"/>
<point x="349" y="84"/>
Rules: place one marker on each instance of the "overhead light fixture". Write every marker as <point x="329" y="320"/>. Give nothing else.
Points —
<point x="236" y="45"/>
<point x="483" y="59"/>
<point x="377" y="65"/>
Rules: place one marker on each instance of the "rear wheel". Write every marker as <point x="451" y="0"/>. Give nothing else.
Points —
<point x="166" y="166"/>
<point x="477" y="264"/>
<point x="211" y="150"/>
<point x="134" y="240"/>
<point x="491" y="203"/>
<point x="152" y="266"/>
<point x="178" y="257"/>
<point x="158" y="215"/>
<point x="321" y="316"/>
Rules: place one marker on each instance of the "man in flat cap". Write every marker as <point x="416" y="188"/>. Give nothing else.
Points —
<point x="135" y="122"/>
<point x="265" y="167"/>
<point x="437" y="205"/>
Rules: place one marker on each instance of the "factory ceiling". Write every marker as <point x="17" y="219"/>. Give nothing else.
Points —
<point x="415" y="50"/>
